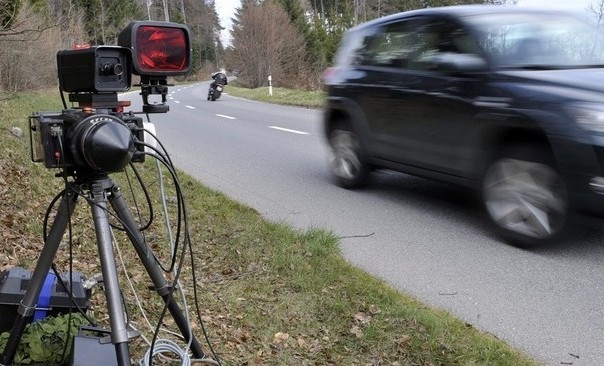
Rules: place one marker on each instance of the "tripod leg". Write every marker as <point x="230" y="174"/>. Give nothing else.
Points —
<point x="27" y="306"/>
<point x="119" y="331"/>
<point x="148" y="259"/>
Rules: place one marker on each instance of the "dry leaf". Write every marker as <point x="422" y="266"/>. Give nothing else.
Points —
<point x="280" y="338"/>
<point x="356" y="331"/>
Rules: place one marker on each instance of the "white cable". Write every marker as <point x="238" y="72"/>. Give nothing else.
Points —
<point x="163" y="346"/>
<point x="138" y="303"/>
<point x="172" y="250"/>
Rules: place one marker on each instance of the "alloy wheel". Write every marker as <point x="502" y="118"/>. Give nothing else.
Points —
<point x="346" y="162"/>
<point x="526" y="198"/>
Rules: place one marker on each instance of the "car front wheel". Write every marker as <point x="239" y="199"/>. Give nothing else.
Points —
<point x="525" y="197"/>
<point x="348" y="162"/>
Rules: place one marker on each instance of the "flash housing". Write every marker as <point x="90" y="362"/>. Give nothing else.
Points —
<point x="158" y="48"/>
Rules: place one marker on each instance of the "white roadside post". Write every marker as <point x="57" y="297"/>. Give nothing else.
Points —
<point x="270" y="86"/>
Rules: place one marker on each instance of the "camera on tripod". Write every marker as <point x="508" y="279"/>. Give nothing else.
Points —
<point x="98" y="135"/>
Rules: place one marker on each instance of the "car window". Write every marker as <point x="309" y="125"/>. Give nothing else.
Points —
<point x="438" y="36"/>
<point x="412" y="43"/>
<point x="537" y="39"/>
<point x="386" y="46"/>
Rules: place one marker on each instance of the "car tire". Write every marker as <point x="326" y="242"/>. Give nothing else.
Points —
<point x="348" y="160"/>
<point x="525" y="196"/>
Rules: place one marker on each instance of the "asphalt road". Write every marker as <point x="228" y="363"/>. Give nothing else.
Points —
<point x="426" y="239"/>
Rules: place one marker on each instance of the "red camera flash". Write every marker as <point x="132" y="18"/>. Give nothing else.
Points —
<point x="161" y="49"/>
<point x="158" y="48"/>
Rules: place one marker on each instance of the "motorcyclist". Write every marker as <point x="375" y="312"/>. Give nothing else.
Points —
<point x="219" y="78"/>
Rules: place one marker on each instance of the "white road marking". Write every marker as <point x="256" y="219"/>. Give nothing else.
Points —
<point x="190" y="107"/>
<point x="225" y="116"/>
<point x="177" y="101"/>
<point x="288" y="130"/>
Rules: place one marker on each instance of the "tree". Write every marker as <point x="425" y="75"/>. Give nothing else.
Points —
<point x="596" y="9"/>
<point x="205" y="27"/>
<point x="105" y="19"/>
<point x="265" y="42"/>
<point x="30" y="38"/>
<point x="8" y="13"/>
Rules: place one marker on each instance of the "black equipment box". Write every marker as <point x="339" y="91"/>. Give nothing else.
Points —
<point x="91" y="351"/>
<point x="13" y="283"/>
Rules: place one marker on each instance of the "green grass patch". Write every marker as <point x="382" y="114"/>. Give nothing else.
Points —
<point x="268" y="294"/>
<point x="284" y="96"/>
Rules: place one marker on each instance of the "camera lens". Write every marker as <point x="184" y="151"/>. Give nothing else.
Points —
<point x="112" y="69"/>
<point x="102" y="142"/>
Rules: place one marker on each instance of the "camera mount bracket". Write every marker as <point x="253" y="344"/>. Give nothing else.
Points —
<point x="89" y="101"/>
<point x="154" y="85"/>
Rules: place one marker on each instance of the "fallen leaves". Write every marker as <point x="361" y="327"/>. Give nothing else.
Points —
<point x="280" y="338"/>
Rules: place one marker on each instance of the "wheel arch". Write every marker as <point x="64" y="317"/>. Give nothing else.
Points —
<point x="342" y="111"/>
<point x="521" y="132"/>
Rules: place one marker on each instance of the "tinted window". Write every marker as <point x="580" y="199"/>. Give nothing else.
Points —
<point x="411" y="43"/>
<point x="544" y="39"/>
<point x="390" y="45"/>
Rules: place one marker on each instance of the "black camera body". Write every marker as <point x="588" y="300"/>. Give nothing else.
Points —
<point x="98" y="136"/>
<point x="73" y="139"/>
<point x="95" y="69"/>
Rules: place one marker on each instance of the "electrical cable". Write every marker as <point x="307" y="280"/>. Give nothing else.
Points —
<point x="70" y="294"/>
<point x="147" y="198"/>
<point x="180" y="198"/>
<point x="48" y="212"/>
<point x="53" y="265"/>
<point x="173" y="249"/>
<point x="167" y="161"/>
<point x="163" y="346"/>
<point x="70" y="240"/>
<point x="62" y="98"/>
<point x="174" y="282"/>
<point x="145" y="191"/>
<point x="187" y="241"/>
<point x="129" y="281"/>
<point x="160" y="158"/>
<point x="137" y="300"/>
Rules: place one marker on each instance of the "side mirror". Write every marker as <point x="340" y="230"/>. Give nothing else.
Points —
<point x="449" y="62"/>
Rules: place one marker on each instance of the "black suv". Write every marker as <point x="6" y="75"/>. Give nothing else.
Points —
<point x="503" y="99"/>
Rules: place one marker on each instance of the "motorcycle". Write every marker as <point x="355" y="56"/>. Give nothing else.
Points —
<point x="215" y="91"/>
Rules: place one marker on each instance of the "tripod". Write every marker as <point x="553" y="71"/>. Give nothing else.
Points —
<point x="101" y="190"/>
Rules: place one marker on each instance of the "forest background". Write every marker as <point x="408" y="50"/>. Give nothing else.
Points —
<point x="291" y="40"/>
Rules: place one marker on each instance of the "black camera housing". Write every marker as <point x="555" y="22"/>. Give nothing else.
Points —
<point x="72" y="139"/>
<point x="98" y="69"/>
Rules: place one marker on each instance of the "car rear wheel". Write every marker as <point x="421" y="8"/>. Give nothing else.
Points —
<point x="525" y="196"/>
<point x="348" y="161"/>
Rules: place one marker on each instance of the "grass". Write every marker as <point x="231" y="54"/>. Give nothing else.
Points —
<point x="301" y="98"/>
<point x="268" y="294"/>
